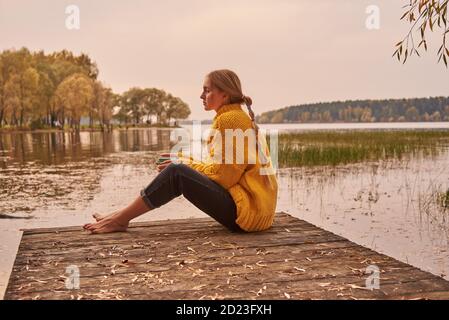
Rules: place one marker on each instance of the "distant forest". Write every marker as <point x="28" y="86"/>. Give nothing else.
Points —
<point x="392" y="110"/>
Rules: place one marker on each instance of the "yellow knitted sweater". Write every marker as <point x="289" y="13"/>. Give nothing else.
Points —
<point x="254" y="194"/>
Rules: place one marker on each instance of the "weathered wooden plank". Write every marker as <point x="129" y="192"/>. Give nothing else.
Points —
<point x="142" y="239"/>
<point x="280" y="218"/>
<point x="207" y="252"/>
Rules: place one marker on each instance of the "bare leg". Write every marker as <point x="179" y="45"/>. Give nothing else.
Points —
<point x="119" y="220"/>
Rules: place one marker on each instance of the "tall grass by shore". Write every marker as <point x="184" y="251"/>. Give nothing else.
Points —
<point x="314" y="148"/>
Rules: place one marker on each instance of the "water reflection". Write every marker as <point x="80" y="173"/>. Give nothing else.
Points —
<point x="52" y="148"/>
<point x="63" y="169"/>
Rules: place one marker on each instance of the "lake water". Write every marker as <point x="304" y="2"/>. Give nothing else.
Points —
<point x="60" y="179"/>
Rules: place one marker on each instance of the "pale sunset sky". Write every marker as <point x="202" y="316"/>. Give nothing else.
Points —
<point x="286" y="52"/>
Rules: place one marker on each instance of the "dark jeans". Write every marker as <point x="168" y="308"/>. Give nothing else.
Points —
<point x="204" y="193"/>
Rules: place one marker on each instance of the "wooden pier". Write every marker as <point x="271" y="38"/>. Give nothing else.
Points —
<point x="199" y="259"/>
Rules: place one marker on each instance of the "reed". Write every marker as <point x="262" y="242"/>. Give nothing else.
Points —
<point x="315" y="148"/>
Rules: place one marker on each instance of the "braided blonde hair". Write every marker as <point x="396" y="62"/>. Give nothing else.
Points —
<point x="228" y="82"/>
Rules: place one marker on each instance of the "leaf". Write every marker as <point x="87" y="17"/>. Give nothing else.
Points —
<point x="404" y="15"/>
<point x="324" y="284"/>
<point x="260" y="264"/>
<point x="353" y="286"/>
<point x="199" y="287"/>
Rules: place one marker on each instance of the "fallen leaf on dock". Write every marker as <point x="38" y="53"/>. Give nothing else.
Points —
<point x="40" y="281"/>
<point x="230" y="257"/>
<point x="260" y="264"/>
<point x="300" y="269"/>
<point x="324" y="284"/>
<point x="199" y="287"/>
<point x="353" y="286"/>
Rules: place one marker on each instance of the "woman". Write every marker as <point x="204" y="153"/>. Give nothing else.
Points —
<point x="237" y="194"/>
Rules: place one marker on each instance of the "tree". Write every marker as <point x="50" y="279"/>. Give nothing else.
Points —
<point x="176" y="108"/>
<point x="436" y="116"/>
<point x="103" y="103"/>
<point x="75" y="96"/>
<point x="446" y="113"/>
<point x="278" y="117"/>
<point x="424" y="15"/>
<point x="20" y="94"/>
<point x="152" y="103"/>
<point x="160" y="107"/>
<point x="412" y="114"/>
<point x="19" y="80"/>
<point x="133" y="103"/>
<point x="305" y="116"/>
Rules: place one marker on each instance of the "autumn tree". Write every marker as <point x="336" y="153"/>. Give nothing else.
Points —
<point x="176" y="108"/>
<point x="75" y="96"/>
<point x="102" y="105"/>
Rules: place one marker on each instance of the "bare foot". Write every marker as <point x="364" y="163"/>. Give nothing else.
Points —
<point x="98" y="217"/>
<point x="106" y="225"/>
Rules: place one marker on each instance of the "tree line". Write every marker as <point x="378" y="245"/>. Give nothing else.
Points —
<point x="392" y="110"/>
<point x="39" y="90"/>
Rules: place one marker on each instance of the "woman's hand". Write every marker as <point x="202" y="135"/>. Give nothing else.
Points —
<point x="163" y="162"/>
